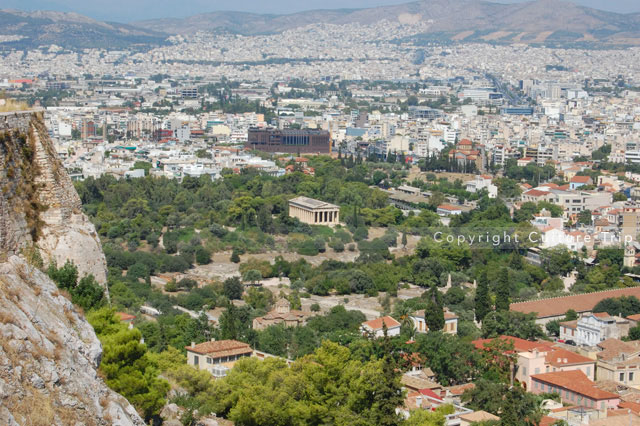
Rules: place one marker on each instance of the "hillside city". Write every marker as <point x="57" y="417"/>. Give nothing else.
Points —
<point x="334" y="224"/>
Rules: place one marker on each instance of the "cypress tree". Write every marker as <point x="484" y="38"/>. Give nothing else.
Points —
<point x="434" y="314"/>
<point x="482" y="301"/>
<point x="503" y="291"/>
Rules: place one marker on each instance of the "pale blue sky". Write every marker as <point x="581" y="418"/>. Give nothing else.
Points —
<point x="131" y="10"/>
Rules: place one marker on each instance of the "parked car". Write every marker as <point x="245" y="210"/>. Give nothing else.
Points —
<point x="570" y="342"/>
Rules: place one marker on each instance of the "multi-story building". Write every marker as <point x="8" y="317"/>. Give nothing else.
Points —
<point x="592" y="329"/>
<point x="217" y="357"/>
<point x="542" y="357"/>
<point x="574" y="388"/>
<point x="282" y="314"/>
<point x="420" y="323"/>
<point x="619" y="362"/>
<point x="289" y="140"/>
<point x="375" y="327"/>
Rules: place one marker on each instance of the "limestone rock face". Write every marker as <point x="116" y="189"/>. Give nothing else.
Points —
<point x="49" y="355"/>
<point x="38" y="203"/>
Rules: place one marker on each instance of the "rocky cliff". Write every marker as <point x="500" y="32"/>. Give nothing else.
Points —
<point x="49" y="354"/>
<point x="38" y="203"/>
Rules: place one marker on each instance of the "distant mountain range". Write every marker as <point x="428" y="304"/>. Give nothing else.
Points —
<point x="552" y="22"/>
<point x="539" y="21"/>
<point x="70" y="30"/>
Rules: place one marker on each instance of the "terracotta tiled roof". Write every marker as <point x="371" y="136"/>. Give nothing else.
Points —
<point x="575" y="381"/>
<point x="460" y="389"/>
<point x="536" y="193"/>
<point x="411" y="404"/>
<point x="580" y="303"/>
<point x="447" y="315"/>
<point x="220" y="348"/>
<point x="123" y="316"/>
<point x="570" y="324"/>
<point x="547" y="421"/>
<point x="519" y="345"/>
<point x="633" y="406"/>
<point x="450" y="315"/>
<point x="614" y="348"/>
<point x="580" y="179"/>
<point x="413" y="382"/>
<point x="376" y="324"/>
<point x="634" y="317"/>
<point x="478" y="416"/>
<point x="448" y="207"/>
<point x="558" y="356"/>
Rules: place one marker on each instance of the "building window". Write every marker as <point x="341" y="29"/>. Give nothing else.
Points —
<point x="621" y="377"/>
<point x="631" y="377"/>
<point x="196" y="360"/>
<point x="524" y="371"/>
<point x="588" y="371"/>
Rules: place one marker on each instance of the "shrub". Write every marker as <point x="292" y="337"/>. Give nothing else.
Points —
<point x="337" y="245"/>
<point x="171" y="286"/>
<point x="308" y="248"/>
<point x="361" y="233"/>
<point x="203" y="256"/>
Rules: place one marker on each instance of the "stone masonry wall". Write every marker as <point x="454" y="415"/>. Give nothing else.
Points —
<point x="38" y="201"/>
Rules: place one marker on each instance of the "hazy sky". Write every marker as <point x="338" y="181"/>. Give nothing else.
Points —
<point x="131" y="10"/>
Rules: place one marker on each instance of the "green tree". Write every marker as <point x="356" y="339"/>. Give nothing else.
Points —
<point x="512" y="404"/>
<point x="634" y="333"/>
<point x="503" y="291"/>
<point x="511" y="323"/>
<point x="86" y="293"/>
<point x="584" y="217"/>
<point x="126" y="365"/>
<point x="570" y="315"/>
<point x="453" y="360"/>
<point x="233" y="288"/>
<point x="482" y="298"/>
<point x="252" y="276"/>
<point x="623" y="306"/>
<point x="66" y="277"/>
<point x="203" y="255"/>
<point x="434" y="314"/>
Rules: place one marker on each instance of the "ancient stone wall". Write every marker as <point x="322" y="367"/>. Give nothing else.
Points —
<point x="38" y="203"/>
